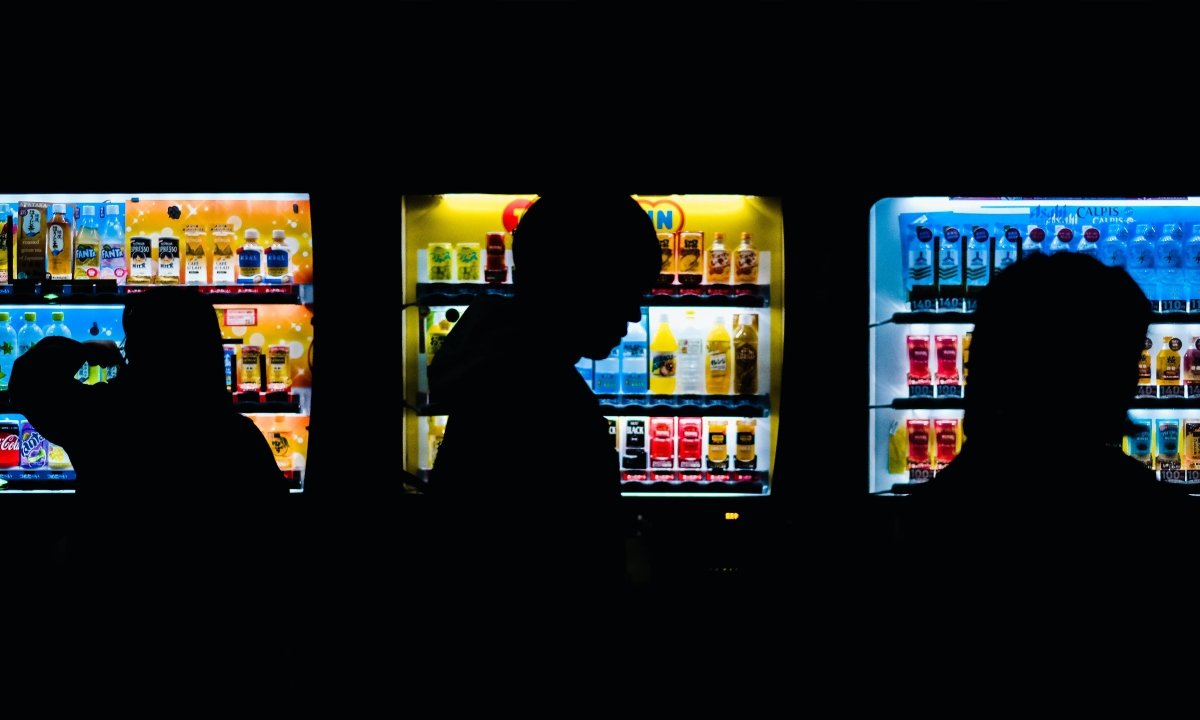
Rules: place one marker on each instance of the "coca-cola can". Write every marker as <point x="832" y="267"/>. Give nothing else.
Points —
<point x="10" y="444"/>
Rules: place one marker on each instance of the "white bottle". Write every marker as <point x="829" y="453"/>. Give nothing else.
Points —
<point x="29" y="334"/>
<point x="250" y="259"/>
<point x="278" y="261"/>
<point x="8" y="349"/>
<point x="689" y="373"/>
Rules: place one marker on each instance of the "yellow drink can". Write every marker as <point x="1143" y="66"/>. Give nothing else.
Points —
<point x="441" y="261"/>
<point x="468" y="261"/>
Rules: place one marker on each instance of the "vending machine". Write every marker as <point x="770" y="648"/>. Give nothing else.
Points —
<point x="691" y="393"/>
<point x="930" y="258"/>
<point x="69" y="262"/>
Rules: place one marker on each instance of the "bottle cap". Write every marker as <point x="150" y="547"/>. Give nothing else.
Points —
<point x="719" y="320"/>
<point x="30" y="317"/>
<point x="250" y="234"/>
<point x="662" y="318"/>
<point x="59" y="207"/>
<point x="718" y="236"/>
<point x="56" y="316"/>
<point x="89" y="209"/>
<point x="3" y="317"/>
<point x="1166" y="339"/>
<point x="277" y="234"/>
<point x="745" y="236"/>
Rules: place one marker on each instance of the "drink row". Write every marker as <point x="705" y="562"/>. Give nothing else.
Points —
<point x="686" y="260"/>
<point x="946" y="268"/>
<point x="88" y="242"/>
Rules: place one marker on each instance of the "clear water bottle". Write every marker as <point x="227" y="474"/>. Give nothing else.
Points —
<point x="635" y="378"/>
<point x="1139" y="260"/>
<point x="689" y="372"/>
<point x="8" y="349"/>
<point x="29" y="334"/>
<point x="1191" y="268"/>
<point x="1168" y="267"/>
<point x="1112" y="250"/>
<point x="608" y="372"/>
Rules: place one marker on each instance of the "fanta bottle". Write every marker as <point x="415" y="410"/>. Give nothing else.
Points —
<point x="662" y="359"/>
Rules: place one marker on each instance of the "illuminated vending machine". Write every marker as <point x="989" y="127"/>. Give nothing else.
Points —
<point x="930" y="258"/>
<point x="691" y="393"/>
<point x="69" y="262"/>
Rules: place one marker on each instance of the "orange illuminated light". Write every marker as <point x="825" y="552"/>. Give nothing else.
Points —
<point x="731" y="516"/>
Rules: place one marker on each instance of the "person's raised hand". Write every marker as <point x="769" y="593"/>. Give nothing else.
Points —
<point x="104" y="353"/>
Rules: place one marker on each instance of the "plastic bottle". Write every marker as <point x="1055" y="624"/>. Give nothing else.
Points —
<point x="663" y="350"/>
<point x="29" y="334"/>
<point x="57" y="326"/>
<point x="438" y="331"/>
<point x="1139" y="260"/>
<point x="59" y="244"/>
<point x="584" y="366"/>
<point x="250" y="259"/>
<point x="1168" y="267"/>
<point x="1113" y="249"/>
<point x="746" y="269"/>
<point x="1168" y="364"/>
<point x="717" y="369"/>
<point x="112" y="246"/>
<point x="279" y="261"/>
<point x="87" y="246"/>
<point x="718" y="260"/>
<point x="745" y="355"/>
<point x="1191" y="268"/>
<point x="608" y="373"/>
<point x="1088" y="240"/>
<point x="1061" y="242"/>
<point x="437" y="433"/>
<point x="690" y="360"/>
<point x="1191" y="368"/>
<point x="8" y="349"/>
<point x="634" y="378"/>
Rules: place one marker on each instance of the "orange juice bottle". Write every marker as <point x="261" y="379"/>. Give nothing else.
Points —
<point x="718" y="361"/>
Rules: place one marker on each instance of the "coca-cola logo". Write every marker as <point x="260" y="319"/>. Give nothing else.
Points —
<point x="10" y="442"/>
<point x="1091" y="234"/>
<point x="1037" y="235"/>
<point x="1065" y="234"/>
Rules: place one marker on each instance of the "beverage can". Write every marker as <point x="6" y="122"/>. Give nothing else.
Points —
<point x="441" y="262"/>
<point x="280" y="377"/>
<point x="140" y="271"/>
<point x="168" y="261"/>
<point x="35" y="451"/>
<point x="230" y="366"/>
<point x="468" y="261"/>
<point x="251" y="378"/>
<point x="10" y="444"/>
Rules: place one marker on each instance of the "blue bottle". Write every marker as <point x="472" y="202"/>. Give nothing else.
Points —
<point x="1139" y="261"/>
<point x="1112" y="250"/>
<point x="978" y="249"/>
<point x="584" y="366"/>
<point x="1007" y="246"/>
<point x="1033" y="241"/>
<point x="1168" y="266"/>
<point x="920" y="259"/>
<point x="1061" y="242"/>
<point x="1191" y="269"/>
<point x="1089" y="242"/>
<point x="949" y="257"/>
<point x="608" y="373"/>
<point x="635" y="377"/>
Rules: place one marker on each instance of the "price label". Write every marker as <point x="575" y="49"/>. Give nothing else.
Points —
<point x="1173" y="306"/>
<point x="1172" y="475"/>
<point x="920" y="391"/>
<point x="970" y="304"/>
<point x="920" y="475"/>
<point x="6" y="289"/>
<point x="1193" y="476"/>
<point x="922" y="305"/>
<point x="1170" y="391"/>
<point x="1144" y="391"/>
<point x="1154" y="306"/>
<point x="1194" y="305"/>
<point x="952" y="304"/>
<point x="241" y="317"/>
<point x="949" y="391"/>
<point x="1193" y="391"/>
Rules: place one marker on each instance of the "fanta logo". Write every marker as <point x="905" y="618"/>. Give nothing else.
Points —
<point x="666" y="215"/>
<point x="512" y="213"/>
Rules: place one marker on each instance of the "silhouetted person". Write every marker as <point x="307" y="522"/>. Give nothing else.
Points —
<point x="528" y="469"/>
<point x="173" y="484"/>
<point x="1042" y="502"/>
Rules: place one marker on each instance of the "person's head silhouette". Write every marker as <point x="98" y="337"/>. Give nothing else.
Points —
<point x="584" y="261"/>
<point x="173" y="332"/>
<point x="1056" y="343"/>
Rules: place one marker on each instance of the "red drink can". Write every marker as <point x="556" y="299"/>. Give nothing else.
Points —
<point x="10" y="445"/>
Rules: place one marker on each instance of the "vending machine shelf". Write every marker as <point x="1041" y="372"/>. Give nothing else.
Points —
<point x="748" y="406"/>
<point x="913" y="318"/>
<point x="741" y="296"/>
<point x="23" y="292"/>
<point x="754" y="487"/>
<point x="958" y="403"/>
